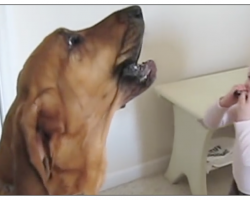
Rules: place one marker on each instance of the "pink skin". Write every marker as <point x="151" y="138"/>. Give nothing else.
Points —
<point x="243" y="103"/>
<point x="229" y="99"/>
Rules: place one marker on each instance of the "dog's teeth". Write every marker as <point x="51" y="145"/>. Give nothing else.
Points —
<point x="135" y="67"/>
<point x="143" y="78"/>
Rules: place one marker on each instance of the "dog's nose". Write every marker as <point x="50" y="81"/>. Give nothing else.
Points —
<point x="135" y="12"/>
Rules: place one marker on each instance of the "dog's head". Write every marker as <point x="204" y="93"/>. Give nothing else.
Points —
<point x="78" y="79"/>
<point x="98" y="63"/>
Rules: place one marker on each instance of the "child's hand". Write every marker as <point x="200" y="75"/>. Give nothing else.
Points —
<point x="243" y="108"/>
<point x="229" y="99"/>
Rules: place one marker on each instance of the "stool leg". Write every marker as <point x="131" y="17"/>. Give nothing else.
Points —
<point x="197" y="182"/>
<point x="173" y="173"/>
<point x="191" y="141"/>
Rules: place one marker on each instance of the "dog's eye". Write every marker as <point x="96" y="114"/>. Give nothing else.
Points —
<point x="74" y="40"/>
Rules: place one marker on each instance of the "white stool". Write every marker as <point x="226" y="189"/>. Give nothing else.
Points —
<point x="191" y="98"/>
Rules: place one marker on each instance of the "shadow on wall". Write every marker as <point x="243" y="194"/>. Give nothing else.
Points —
<point x="151" y="111"/>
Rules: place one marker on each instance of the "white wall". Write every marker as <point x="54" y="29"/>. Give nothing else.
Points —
<point x="184" y="40"/>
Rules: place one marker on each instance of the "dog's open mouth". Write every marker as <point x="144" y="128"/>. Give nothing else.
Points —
<point x="143" y="73"/>
<point x="136" y="78"/>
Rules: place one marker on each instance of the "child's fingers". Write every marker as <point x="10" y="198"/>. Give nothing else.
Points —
<point x="241" y="87"/>
<point x="242" y="97"/>
<point x="247" y="97"/>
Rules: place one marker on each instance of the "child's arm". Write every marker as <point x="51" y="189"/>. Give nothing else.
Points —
<point x="218" y="116"/>
<point x="242" y="127"/>
<point x="242" y="134"/>
<point x="222" y="112"/>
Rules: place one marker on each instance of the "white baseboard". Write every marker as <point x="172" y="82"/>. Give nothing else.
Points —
<point x="136" y="172"/>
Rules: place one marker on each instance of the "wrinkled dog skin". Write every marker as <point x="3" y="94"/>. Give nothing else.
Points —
<point x="54" y="135"/>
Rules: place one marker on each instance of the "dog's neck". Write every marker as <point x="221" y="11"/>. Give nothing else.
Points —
<point x="86" y="114"/>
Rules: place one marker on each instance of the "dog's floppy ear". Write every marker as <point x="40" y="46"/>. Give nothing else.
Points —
<point x="40" y="121"/>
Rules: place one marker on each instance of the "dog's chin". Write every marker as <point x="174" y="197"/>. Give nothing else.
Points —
<point x="136" y="78"/>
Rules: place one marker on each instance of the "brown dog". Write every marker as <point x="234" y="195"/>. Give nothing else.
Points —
<point x="54" y="135"/>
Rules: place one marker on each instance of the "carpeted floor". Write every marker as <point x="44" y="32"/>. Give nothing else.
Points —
<point x="218" y="183"/>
